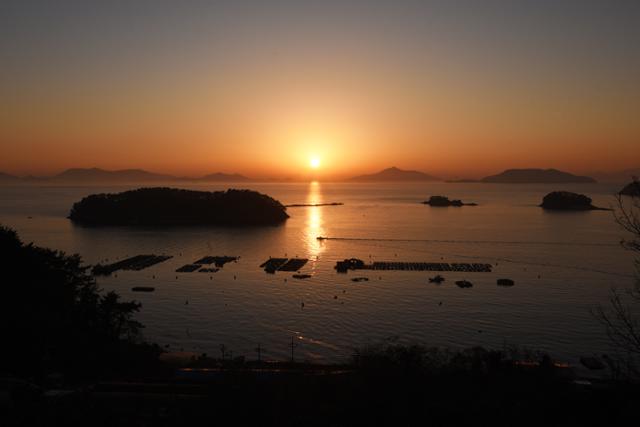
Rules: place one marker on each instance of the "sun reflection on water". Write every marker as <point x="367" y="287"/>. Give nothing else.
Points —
<point x="314" y="224"/>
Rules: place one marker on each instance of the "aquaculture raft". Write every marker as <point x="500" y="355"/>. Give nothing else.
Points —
<point x="356" y="264"/>
<point x="136" y="263"/>
<point x="188" y="268"/>
<point x="283" y="264"/>
<point x="219" y="261"/>
<point x="294" y="264"/>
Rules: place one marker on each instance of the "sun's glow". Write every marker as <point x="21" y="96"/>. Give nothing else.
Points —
<point x="314" y="162"/>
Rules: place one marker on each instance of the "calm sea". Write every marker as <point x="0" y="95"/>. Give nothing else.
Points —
<point x="563" y="263"/>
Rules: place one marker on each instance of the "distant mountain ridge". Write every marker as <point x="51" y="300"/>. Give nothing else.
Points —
<point x="536" y="176"/>
<point x="394" y="174"/>
<point x="7" y="177"/>
<point x="616" y="176"/>
<point x="220" y="177"/>
<point x="94" y="175"/>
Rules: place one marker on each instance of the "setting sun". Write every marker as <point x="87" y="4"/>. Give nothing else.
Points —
<point x="314" y="162"/>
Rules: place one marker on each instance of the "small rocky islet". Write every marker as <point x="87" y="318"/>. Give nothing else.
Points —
<point x="568" y="201"/>
<point x="632" y="189"/>
<point x="443" y="201"/>
<point x="177" y="207"/>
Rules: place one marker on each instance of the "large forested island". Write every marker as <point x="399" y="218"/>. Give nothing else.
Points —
<point x="171" y="206"/>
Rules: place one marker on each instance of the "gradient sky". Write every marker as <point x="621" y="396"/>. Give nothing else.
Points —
<point x="453" y="88"/>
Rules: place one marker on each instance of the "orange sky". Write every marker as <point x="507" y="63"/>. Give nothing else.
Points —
<point x="462" y="97"/>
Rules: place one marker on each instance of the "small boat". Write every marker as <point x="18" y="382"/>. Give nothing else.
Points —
<point x="505" y="282"/>
<point x="464" y="284"/>
<point x="360" y="279"/>
<point x="143" y="289"/>
<point x="301" y="276"/>
<point x="438" y="279"/>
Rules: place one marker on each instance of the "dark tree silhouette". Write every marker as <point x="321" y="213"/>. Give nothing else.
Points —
<point x="621" y="318"/>
<point x="56" y="319"/>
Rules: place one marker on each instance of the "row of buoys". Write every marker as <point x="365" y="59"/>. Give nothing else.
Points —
<point x="466" y="284"/>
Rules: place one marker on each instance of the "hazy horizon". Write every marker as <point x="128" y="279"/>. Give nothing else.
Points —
<point x="617" y="175"/>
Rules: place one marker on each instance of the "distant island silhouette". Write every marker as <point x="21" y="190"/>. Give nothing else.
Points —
<point x="136" y="175"/>
<point x="5" y="177"/>
<point x="536" y="176"/>
<point x="170" y="207"/>
<point x="222" y="177"/>
<point x="567" y="201"/>
<point x="619" y="176"/>
<point x="394" y="174"/>
<point x="98" y="175"/>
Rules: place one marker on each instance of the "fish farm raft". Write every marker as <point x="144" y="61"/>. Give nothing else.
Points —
<point x="136" y="263"/>
<point x="357" y="264"/>
<point x="283" y="264"/>
<point x="219" y="261"/>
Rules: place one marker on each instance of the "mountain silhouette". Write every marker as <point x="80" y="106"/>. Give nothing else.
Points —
<point x="224" y="177"/>
<point x="136" y="175"/>
<point x="394" y="174"/>
<point x="536" y="176"/>
<point x="97" y="174"/>
<point x="5" y="177"/>
<point x="618" y="177"/>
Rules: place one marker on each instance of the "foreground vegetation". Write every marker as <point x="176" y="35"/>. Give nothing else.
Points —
<point x="55" y="319"/>
<point x="382" y="385"/>
<point x="74" y="356"/>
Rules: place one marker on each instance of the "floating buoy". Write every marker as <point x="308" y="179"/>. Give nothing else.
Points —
<point x="505" y="282"/>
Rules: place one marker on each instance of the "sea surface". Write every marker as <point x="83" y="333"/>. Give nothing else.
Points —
<point x="564" y="265"/>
